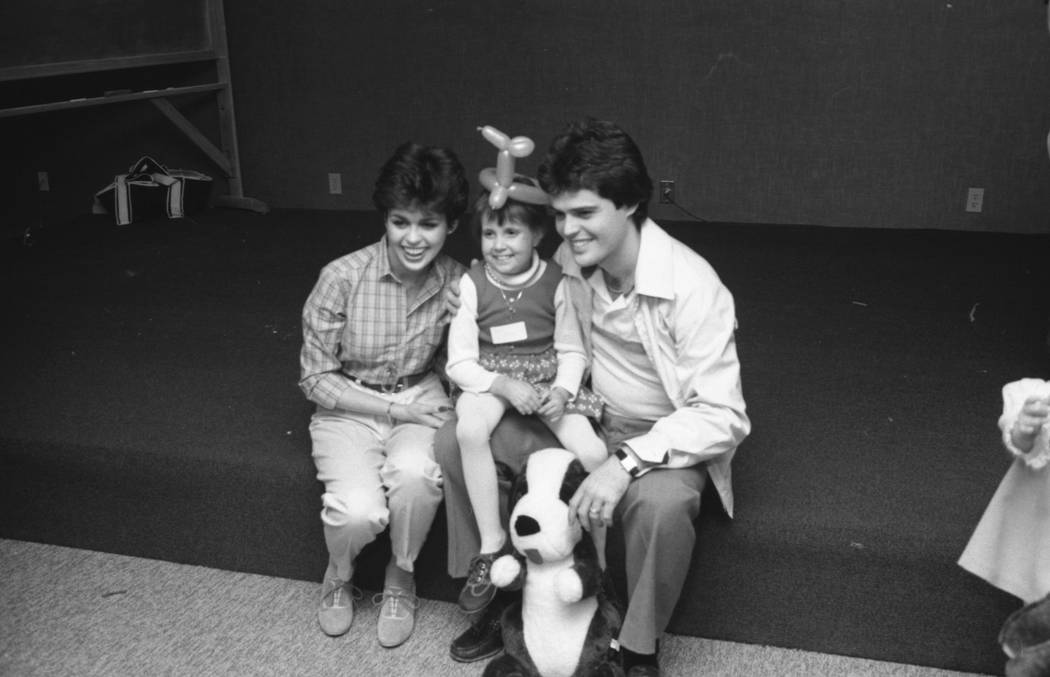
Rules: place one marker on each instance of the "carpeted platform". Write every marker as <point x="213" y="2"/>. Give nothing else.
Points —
<point x="150" y="408"/>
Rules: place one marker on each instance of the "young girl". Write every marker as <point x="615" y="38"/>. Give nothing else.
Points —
<point x="371" y="330"/>
<point x="514" y="343"/>
<point x="1010" y="548"/>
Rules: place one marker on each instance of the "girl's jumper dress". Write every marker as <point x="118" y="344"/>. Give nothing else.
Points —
<point x="516" y="334"/>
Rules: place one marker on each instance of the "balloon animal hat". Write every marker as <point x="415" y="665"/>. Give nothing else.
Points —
<point x="499" y="180"/>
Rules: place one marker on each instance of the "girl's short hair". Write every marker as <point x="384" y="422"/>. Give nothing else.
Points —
<point x="424" y="177"/>
<point x="599" y="156"/>
<point x="537" y="217"/>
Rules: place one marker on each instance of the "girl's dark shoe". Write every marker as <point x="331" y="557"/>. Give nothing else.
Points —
<point x="478" y="591"/>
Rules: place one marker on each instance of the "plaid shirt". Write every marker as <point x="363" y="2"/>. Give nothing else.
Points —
<point x="357" y="322"/>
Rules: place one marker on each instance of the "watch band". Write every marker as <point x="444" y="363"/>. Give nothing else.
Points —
<point x="628" y="462"/>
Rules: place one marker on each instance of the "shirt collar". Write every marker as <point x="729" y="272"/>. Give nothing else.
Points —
<point x="651" y="274"/>
<point x="383" y="260"/>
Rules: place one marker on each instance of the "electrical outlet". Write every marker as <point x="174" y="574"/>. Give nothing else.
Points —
<point x="43" y="181"/>
<point x="666" y="191"/>
<point x="975" y="199"/>
<point x="335" y="183"/>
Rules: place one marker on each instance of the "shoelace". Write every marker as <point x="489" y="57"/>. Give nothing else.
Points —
<point x="478" y="572"/>
<point x="336" y="592"/>
<point x="396" y="596"/>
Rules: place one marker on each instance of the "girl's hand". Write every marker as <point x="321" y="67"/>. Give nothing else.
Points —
<point x="521" y="395"/>
<point x="554" y="406"/>
<point x="432" y="413"/>
<point x="1035" y="413"/>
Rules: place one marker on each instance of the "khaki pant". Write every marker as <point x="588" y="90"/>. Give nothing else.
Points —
<point x="376" y="474"/>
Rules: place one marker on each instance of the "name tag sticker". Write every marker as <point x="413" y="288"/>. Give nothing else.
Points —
<point x="509" y="333"/>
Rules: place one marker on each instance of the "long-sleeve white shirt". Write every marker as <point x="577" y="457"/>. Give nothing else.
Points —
<point x="686" y="321"/>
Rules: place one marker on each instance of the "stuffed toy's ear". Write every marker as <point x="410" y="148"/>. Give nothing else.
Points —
<point x="574" y="475"/>
<point x="519" y="488"/>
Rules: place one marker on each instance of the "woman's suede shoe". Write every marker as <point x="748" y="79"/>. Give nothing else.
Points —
<point x="397" y="616"/>
<point x="1028" y="626"/>
<point x="335" y="613"/>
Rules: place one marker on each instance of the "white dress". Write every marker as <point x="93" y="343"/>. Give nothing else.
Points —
<point x="1010" y="548"/>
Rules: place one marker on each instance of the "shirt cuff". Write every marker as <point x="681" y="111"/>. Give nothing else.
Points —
<point x="651" y="448"/>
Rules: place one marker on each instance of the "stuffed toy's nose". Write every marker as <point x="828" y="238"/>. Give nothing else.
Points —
<point x="526" y="526"/>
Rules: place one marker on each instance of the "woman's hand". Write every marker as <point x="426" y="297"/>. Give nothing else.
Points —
<point x="431" y="412"/>
<point x="521" y="395"/>
<point x="1035" y="413"/>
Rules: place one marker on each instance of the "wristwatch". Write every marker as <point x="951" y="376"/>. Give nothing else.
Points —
<point x="628" y="462"/>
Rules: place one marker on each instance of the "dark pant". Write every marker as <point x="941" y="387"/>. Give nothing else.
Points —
<point x="656" y="515"/>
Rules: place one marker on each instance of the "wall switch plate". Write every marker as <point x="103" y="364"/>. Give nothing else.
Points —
<point x="335" y="183"/>
<point x="666" y="191"/>
<point x="975" y="199"/>
<point x="43" y="181"/>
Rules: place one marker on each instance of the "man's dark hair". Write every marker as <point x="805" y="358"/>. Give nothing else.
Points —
<point x="599" y="156"/>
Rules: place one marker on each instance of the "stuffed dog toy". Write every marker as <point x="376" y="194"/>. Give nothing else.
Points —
<point x="564" y="623"/>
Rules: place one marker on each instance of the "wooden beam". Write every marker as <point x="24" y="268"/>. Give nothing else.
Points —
<point x="46" y="70"/>
<point x="194" y="134"/>
<point x="103" y="100"/>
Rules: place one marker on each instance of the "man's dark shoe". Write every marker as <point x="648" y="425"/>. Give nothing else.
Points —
<point x="640" y="665"/>
<point x="478" y="591"/>
<point x="483" y="639"/>
<point x="1028" y="626"/>
<point x="1032" y="661"/>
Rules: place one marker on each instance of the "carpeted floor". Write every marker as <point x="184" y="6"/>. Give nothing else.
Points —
<point x="84" y="613"/>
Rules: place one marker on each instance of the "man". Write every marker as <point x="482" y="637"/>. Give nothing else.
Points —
<point x="658" y="327"/>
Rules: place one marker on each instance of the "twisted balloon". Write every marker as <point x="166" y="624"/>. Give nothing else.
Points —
<point x="499" y="180"/>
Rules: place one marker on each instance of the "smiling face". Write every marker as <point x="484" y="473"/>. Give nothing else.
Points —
<point x="597" y="231"/>
<point x="507" y="247"/>
<point x="414" y="238"/>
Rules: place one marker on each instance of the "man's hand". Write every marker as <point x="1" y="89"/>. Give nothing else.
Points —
<point x="599" y="493"/>
<point x="521" y="395"/>
<point x="452" y="301"/>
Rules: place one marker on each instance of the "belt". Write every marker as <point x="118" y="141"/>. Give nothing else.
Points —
<point x="395" y="387"/>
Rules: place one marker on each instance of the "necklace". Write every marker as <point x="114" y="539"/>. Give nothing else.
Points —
<point x="615" y="289"/>
<point x="509" y="300"/>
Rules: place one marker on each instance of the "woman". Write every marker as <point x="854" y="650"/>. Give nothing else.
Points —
<point x="372" y="327"/>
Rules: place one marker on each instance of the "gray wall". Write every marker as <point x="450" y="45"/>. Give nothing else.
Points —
<point x="858" y="113"/>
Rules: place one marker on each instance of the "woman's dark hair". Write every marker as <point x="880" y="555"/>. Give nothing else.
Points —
<point x="424" y="177"/>
<point x="599" y="156"/>
<point x="537" y="217"/>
